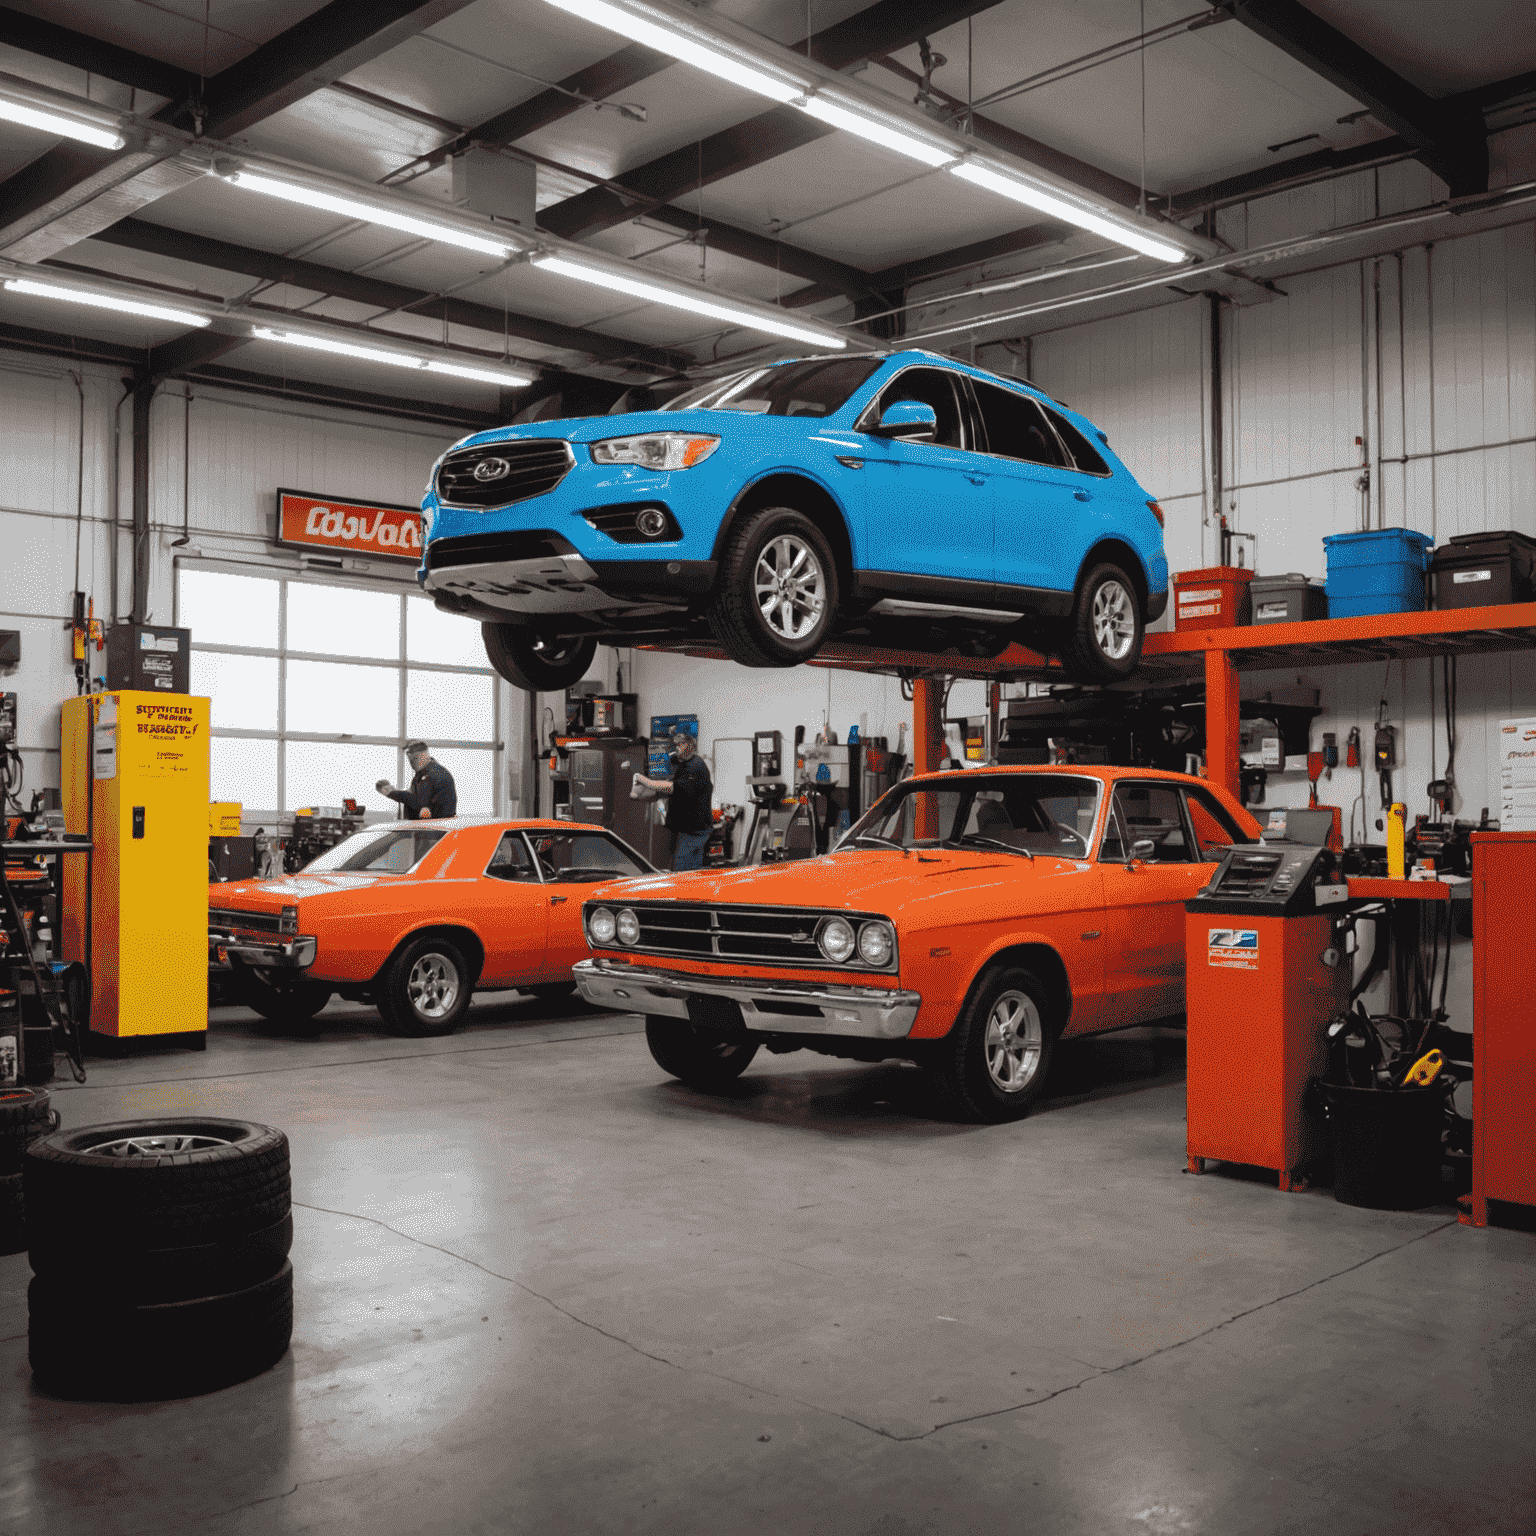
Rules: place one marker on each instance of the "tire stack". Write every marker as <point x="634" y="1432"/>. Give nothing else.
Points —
<point x="159" y="1254"/>
<point x="25" y="1116"/>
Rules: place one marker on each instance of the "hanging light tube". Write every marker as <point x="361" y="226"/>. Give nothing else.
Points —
<point x="99" y="300"/>
<point x="696" y="304"/>
<point x="389" y="215"/>
<point x="884" y="134"/>
<point x="366" y="354"/>
<point x="57" y="123"/>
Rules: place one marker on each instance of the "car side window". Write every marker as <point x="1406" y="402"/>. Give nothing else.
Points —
<point x="583" y="857"/>
<point x="1086" y="457"/>
<point x="1016" y="427"/>
<point x="1213" y="826"/>
<point x="1148" y="812"/>
<point x="511" y="860"/>
<point x="928" y="386"/>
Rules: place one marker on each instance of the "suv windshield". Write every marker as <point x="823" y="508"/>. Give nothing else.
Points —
<point x="1030" y="814"/>
<point x="787" y="389"/>
<point x="394" y="852"/>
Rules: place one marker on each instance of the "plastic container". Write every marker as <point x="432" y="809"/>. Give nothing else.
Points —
<point x="1380" y="571"/>
<point x="1386" y="1145"/>
<point x="1477" y="570"/>
<point x="1287" y="599"/>
<point x="1215" y="597"/>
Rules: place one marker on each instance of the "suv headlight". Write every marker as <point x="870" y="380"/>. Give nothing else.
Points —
<point x="876" y="941"/>
<point x="835" y="940"/>
<point x="655" y="450"/>
<point x="601" y="926"/>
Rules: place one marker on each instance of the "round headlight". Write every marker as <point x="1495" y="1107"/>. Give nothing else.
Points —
<point x="651" y="521"/>
<point x="875" y="943"/>
<point x="835" y="940"/>
<point x="600" y="926"/>
<point x="628" y="927"/>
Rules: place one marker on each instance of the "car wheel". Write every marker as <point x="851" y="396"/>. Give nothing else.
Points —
<point x="553" y="991"/>
<point x="540" y="666"/>
<point x="283" y="999"/>
<point x="702" y="1058"/>
<point x="425" y="988"/>
<point x="776" y="593"/>
<point x="993" y="1064"/>
<point x="1104" y="634"/>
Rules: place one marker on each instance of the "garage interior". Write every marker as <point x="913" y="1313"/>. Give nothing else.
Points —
<point x="538" y="1282"/>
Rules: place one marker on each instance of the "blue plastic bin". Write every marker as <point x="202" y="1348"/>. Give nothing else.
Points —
<point x="1381" y="571"/>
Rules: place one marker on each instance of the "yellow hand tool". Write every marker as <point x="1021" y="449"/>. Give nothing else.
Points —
<point x="1425" y="1070"/>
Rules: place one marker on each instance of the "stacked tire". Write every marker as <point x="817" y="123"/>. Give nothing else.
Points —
<point x="159" y="1254"/>
<point x="25" y="1116"/>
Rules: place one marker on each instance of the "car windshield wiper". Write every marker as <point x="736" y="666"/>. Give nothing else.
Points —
<point x="884" y="842"/>
<point x="975" y="838"/>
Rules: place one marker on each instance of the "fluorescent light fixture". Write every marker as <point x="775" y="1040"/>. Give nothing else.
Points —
<point x="480" y="375"/>
<point x="371" y="213"/>
<point x="665" y="40"/>
<point x="105" y="301"/>
<point x="56" y="123"/>
<point x="395" y="359"/>
<point x="877" y="132"/>
<point x="696" y="304"/>
<point x="1068" y="211"/>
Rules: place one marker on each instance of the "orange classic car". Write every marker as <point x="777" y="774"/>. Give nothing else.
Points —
<point x="414" y="916"/>
<point x="968" y="922"/>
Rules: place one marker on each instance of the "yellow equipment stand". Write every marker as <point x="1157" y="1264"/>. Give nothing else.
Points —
<point x="135" y="776"/>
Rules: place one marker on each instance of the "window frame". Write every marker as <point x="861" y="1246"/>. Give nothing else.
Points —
<point x="976" y="386"/>
<point x="521" y="835"/>
<point x="1191" y="842"/>
<point x="964" y="408"/>
<point x="401" y="664"/>
<point x="1052" y="416"/>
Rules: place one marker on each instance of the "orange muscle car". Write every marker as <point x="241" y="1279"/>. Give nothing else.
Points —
<point x="413" y="916"/>
<point x="967" y="922"/>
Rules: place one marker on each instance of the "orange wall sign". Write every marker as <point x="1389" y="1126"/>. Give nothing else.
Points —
<point x="348" y="527"/>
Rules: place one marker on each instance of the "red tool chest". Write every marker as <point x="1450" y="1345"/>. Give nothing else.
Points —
<point x="1503" y="1021"/>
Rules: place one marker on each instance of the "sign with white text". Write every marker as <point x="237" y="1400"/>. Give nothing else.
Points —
<point x="348" y="527"/>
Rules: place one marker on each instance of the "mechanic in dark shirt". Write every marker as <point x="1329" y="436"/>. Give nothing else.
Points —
<point x="688" y="793"/>
<point x="432" y="795"/>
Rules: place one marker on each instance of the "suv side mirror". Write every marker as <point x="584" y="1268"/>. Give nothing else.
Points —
<point x="909" y="421"/>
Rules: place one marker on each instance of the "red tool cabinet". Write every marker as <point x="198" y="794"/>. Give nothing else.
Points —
<point x="1503" y="1020"/>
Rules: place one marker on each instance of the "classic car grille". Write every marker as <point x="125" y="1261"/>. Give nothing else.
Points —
<point x="534" y="467"/>
<point x="250" y="922"/>
<point x="775" y="935"/>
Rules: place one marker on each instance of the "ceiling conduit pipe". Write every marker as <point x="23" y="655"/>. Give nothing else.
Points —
<point x="143" y="395"/>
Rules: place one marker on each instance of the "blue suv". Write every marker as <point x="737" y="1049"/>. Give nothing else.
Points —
<point x="900" y="500"/>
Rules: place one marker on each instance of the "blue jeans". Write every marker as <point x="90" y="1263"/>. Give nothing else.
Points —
<point x="689" y="852"/>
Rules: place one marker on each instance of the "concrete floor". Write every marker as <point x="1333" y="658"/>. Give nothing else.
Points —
<point x="542" y="1288"/>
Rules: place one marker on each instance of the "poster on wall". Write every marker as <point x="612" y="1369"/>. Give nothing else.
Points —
<point x="1517" y="774"/>
<point x="349" y="527"/>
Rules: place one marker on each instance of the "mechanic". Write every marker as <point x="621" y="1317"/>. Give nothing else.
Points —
<point x="432" y="795"/>
<point x="688" y="794"/>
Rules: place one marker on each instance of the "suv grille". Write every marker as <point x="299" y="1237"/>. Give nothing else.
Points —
<point x="250" y="922"/>
<point x="534" y="467"/>
<point x="493" y="548"/>
<point x="772" y="935"/>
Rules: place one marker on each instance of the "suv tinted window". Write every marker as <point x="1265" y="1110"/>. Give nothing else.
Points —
<point x="1088" y="458"/>
<point x="1016" y="426"/>
<point x="930" y="386"/>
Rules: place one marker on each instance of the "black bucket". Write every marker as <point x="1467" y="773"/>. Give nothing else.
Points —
<point x="1386" y="1145"/>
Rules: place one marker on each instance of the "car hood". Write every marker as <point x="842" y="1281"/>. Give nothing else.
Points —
<point x="591" y="429"/>
<point x="859" y="880"/>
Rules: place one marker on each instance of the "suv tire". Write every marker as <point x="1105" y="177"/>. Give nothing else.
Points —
<point x="776" y="594"/>
<point x="1103" y="637"/>
<point x="536" y="665"/>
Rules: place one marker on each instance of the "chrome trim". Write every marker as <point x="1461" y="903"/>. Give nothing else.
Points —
<point x="296" y="955"/>
<point x="870" y="1013"/>
<point x="511" y="444"/>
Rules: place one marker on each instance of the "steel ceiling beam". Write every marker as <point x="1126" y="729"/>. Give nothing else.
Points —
<point x="337" y="38"/>
<point x="888" y="25"/>
<point x="433" y="411"/>
<point x="48" y="40"/>
<point x="224" y="256"/>
<point x="1448" y="137"/>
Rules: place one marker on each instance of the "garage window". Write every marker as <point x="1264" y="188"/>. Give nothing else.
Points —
<point x="316" y="689"/>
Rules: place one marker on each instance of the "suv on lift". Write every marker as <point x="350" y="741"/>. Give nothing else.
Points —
<point x="900" y="499"/>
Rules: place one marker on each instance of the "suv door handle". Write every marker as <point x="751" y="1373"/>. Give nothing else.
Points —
<point x="1083" y="495"/>
<point x="977" y="479"/>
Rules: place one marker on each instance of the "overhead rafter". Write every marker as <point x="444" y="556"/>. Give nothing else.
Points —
<point x="48" y="40"/>
<point x="310" y="54"/>
<point x="891" y="24"/>
<point x="1448" y="137"/>
<point x="223" y="256"/>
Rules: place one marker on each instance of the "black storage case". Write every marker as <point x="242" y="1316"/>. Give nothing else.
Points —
<point x="1286" y="599"/>
<point x="1478" y="570"/>
<point x="153" y="657"/>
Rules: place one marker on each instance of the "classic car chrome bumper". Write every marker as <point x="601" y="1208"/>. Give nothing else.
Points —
<point x="774" y="1007"/>
<point x="291" y="955"/>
